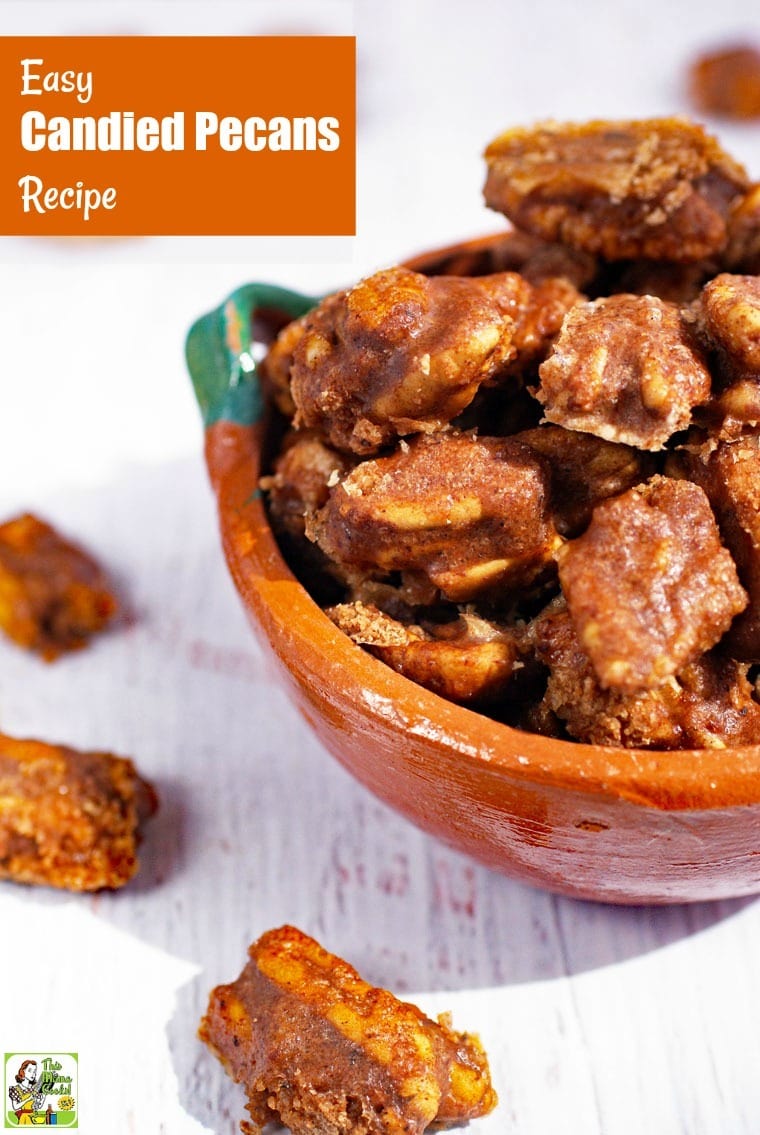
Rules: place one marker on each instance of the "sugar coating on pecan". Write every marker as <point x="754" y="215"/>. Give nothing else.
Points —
<point x="585" y="470"/>
<point x="300" y="481"/>
<point x="69" y="819"/>
<point x="454" y="500"/>
<point x="402" y="353"/>
<point x="729" y="473"/>
<point x="656" y="188"/>
<point x="727" y="81"/>
<point x="53" y="595"/>
<point x="626" y="368"/>
<point x="732" y="412"/>
<point x="708" y="705"/>
<point x="730" y="309"/>
<point x="320" y="1050"/>
<point x="742" y="253"/>
<point x="469" y="661"/>
<point x="469" y="513"/>
<point x="538" y="322"/>
<point x="649" y="585"/>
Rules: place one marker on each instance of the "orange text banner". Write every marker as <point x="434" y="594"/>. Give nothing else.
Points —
<point x="177" y="136"/>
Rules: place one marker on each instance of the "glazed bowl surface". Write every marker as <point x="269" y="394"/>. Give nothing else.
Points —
<point x="595" y="822"/>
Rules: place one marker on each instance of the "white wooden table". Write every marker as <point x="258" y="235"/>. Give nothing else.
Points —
<point x="598" y="1020"/>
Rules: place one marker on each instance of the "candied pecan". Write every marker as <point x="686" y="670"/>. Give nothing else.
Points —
<point x="367" y="625"/>
<point x="658" y="188"/>
<point x="585" y="470"/>
<point x="625" y="368"/>
<point x="742" y="253"/>
<point x="729" y="473"/>
<point x="470" y="513"/>
<point x="730" y="311"/>
<point x="460" y="353"/>
<point x="538" y="322"/>
<point x="53" y="596"/>
<point x="297" y="488"/>
<point x="649" y="586"/>
<point x="325" y="1053"/>
<point x="401" y="353"/>
<point x="727" y="82"/>
<point x="708" y="705"/>
<point x="467" y="661"/>
<point x="732" y="412"/>
<point x="69" y="819"/>
<point x="300" y="482"/>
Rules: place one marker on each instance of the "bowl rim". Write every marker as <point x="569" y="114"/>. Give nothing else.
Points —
<point x="684" y="780"/>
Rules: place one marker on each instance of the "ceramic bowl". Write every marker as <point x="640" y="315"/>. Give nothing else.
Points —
<point x="623" y="826"/>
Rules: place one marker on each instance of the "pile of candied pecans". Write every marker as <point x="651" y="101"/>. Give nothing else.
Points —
<point x="527" y="475"/>
<point x="68" y="819"/>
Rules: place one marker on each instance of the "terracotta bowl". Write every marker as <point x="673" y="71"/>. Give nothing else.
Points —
<point x="623" y="826"/>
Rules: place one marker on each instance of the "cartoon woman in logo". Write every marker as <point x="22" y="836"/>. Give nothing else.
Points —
<point x="26" y="1098"/>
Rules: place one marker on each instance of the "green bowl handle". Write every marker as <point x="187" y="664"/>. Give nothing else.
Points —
<point x="221" y="350"/>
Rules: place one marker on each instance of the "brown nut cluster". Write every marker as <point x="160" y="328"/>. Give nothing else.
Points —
<point x="69" y="819"/>
<point x="625" y="368"/>
<point x="648" y="585"/>
<point x="470" y="661"/>
<point x="53" y="595"/>
<point x="727" y="81"/>
<point x="730" y="308"/>
<point x="401" y="354"/>
<point x="529" y="469"/>
<point x="729" y="474"/>
<point x="709" y="705"/>
<point x="323" y="1052"/>
<point x="470" y="514"/>
<point x="742" y="252"/>
<point x="659" y="188"/>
